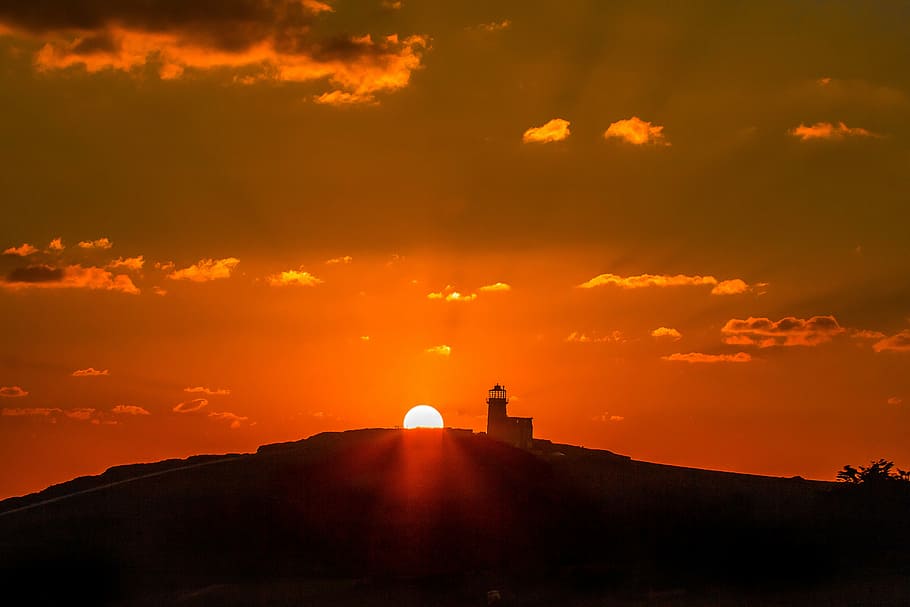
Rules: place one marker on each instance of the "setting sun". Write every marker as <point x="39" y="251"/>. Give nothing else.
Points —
<point x="423" y="416"/>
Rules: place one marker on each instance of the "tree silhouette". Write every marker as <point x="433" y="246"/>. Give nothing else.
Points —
<point x="877" y="472"/>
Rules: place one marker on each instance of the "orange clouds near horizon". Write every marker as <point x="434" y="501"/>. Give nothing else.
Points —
<point x="553" y="130"/>
<point x="826" y="130"/>
<point x="723" y="287"/>
<point x="636" y="131"/>
<point x="789" y="331"/>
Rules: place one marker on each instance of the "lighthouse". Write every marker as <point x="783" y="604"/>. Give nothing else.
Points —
<point x="517" y="431"/>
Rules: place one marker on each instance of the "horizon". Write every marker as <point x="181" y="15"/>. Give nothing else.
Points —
<point x="673" y="233"/>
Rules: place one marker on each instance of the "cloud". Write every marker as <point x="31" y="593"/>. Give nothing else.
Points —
<point x="698" y="357"/>
<point x="248" y="41"/>
<point x="236" y="420"/>
<point x="28" y="411"/>
<point x="190" y="406"/>
<point x="364" y="338"/>
<point x="615" y="337"/>
<point x="82" y="414"/>
<point x="826" y="130"/>
<point x="130" y="410"/>
<point x="666" y="332"/>
<point x="730" y="287"/>
<point x="340" y="98"/>
<point x="554" y="130"/>
<point x="127" y="263"/>
<point x="867" y="334"/>
<point x="12" y="392"/>
<point x="642" y="281"/>
<point x="208" y="391"/>
<point x="159" y="291"/>
<point x="452" y="296"/>
<point x="206" y="269"/>
<point x="165" y="266"/>
<point x="442" y="350"/>
<point x="606" y="417"/>
<point x="56" y="244"/>
<point x="23" y="250"/>
<point x="496" y="287"/>
<point x="299" y="278"/>
<point x="101" y="243"/>
<point x="899" y="342"/>
<point x="90" y="372"/>
<point x="339" y="260"/>
<point x="495" y="26"/>
<point x="70" y="277"/>
<point x="895" y="400"/>
<point x="636" y="131"/>
<point x="789" y="331"/>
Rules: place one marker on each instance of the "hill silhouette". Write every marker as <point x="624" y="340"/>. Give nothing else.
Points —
<point x="444" y="517"/>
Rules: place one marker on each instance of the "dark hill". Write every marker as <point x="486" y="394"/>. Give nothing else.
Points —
<point x="429" y="517"/>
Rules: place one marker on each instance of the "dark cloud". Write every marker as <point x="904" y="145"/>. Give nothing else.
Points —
<point x="37" y="273"/>
<point x="262" y="39"/>
<point x="232" y="23"/>
<point x="788" y="331"/>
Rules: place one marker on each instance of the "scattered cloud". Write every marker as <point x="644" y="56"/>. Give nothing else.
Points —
<point x="127" y="263"/>
<point x="130" y="410"/>
<point x="82" y="414"/>
<point x="789" y="331"/>
<point x="730" y="287"/>
<point x="299" y="278"/>
<point x="666" y="332"/>
<point x="208" y="391"/>
<point x="190" y="406"/>
<point x="615" y="337"/>
<point x="392" y="5"/>
<point x="28" y="411"/>
<point x="236" y="420"/>
<point x="364" y="338"/>
<point x="56" y="244"/>
<point x="899" y="342"/>
<point x="607" y="417"/>
<point x="206" y="269"/>
<point x="12" y="392"/>
<point x="90" y="372"/>
<point x="340" y="98"/>
<point x="159" y="291"/>
<point x="101" y="243"/>
<point x="452" y="296"/>
<point x="636" y="131"/>
<point x="867" y="334"/>
<point x="895" y="400"/>
<point x="496" y="287"/>
<point x="165" y="266"/>
<point x="827" y="130"/>
<point x="442" y="350"/>
<point x="69" y="277"/>
<point x="554" y="130"/>
<point x="698" y="357"/>
<point x="23" y="250"/>
<point x="495" y="26"/>
<point x="339" y="260"/>
<point x="733" y="286"/>
<point x="247" y="42"/>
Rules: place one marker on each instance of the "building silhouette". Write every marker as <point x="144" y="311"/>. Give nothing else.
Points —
<point x="517" y="431"/>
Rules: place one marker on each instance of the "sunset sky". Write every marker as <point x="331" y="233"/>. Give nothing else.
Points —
<point x="677" y="231"/>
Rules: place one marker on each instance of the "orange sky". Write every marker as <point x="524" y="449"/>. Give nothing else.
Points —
<point x="679" y="234"/>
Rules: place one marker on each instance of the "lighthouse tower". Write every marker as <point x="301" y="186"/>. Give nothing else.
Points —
<point x="517" y="431"/>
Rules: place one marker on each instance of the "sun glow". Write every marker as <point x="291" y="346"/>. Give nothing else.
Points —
<point x="423" y="416"/>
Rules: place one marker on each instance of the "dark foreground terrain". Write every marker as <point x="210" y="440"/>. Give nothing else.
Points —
<point x="391" y="517"/>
